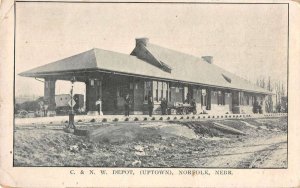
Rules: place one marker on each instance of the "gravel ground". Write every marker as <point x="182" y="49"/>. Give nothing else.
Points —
<point x="156" y="144"/>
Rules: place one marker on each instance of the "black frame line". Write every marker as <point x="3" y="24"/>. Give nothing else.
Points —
<point x="145" y="2"/>
<point x="141" y="2"/>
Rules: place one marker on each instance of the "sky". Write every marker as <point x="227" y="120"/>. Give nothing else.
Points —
<point x="248" y="40"/>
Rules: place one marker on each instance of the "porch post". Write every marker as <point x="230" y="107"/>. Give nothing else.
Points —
<point x="49" y="95"/>
<point x="208" y="104"/>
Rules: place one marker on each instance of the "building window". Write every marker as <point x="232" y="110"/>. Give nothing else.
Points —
<point x="159" y="90"/>
<point x="92" y="82"/>
<point x="241" y="99"/>
<point x="147" y="90"/>
<point x="122" y="91"/>
<point x="204" y="97"/>
<point x="221" y="98"/>
<point x="165" y="90"/>
<point x="247" y="99"/>
<point x="154" y="91"/>
<point x="131" y="85"/>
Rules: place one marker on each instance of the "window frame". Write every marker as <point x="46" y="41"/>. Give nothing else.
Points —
<point x="221" y="97"/>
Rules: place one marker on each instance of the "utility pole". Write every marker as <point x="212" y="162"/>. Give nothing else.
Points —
<point x="72" y="114"/>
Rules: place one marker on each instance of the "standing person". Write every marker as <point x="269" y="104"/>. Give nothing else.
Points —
<point x="163" y="106"/>
<point x="99" y="106"/>
<point x="255" y="107"/>
<point x="41" y="103"/>
<point x="126" y="105"/>
<point x="187" y="98"/>
<point x="45" y="108"/>
<point x="150" y="105"/>
<point x="194" y="106"/>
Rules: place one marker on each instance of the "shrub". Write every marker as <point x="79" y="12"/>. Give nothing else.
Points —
<point x="136" y="119"/>
<point x="104" y="120"/>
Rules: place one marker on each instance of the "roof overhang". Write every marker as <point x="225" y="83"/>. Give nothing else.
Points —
<point x="82" y="75"/>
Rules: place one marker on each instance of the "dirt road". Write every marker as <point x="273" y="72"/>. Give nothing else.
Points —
<point x="258" y="153"/>
<point x="248" y="143"/>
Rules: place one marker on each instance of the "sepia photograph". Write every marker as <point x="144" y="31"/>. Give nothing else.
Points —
<point x="151" y="85"/>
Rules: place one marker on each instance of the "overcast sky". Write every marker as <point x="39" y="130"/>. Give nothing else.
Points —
<point x="248" y="40"/>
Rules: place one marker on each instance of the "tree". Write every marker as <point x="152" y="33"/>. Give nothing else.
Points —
<point x="269" y="100"/>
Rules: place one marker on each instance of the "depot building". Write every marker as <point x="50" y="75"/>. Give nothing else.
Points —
<point x="150" y="70"/>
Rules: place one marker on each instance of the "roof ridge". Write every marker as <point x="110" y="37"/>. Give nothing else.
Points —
<point x="196" y="57"/>
<point x="120" y="53"/>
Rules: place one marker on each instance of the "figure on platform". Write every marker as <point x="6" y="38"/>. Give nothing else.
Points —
<point x="45" y="107"/>
<point x="99" y="106"/>
<point x="127" y="104"/>
<point x="150" y="105"/>
<point x="194" y="106"/>
<point x="188" y="98"/>
<point x="164" y="106"/>
<point x="41" y="103"/>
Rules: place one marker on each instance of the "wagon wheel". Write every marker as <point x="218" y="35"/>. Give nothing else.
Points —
<point x="179" y="111"/>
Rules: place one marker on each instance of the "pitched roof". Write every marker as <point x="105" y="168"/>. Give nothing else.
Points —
<point x="186" y="68"/>
<point x="194" y="69"/>
<point x="97" y="59"/>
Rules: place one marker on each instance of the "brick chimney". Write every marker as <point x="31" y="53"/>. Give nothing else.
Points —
<point x="208" y="59"/>
<point x="143" y="41"/>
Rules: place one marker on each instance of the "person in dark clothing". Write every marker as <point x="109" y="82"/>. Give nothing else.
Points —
<point x="126" y="105"/>
<point x="194" y="106"/>
<point x="164" y="106"/>
<point x="256" y="107"/>
<point x="150" y="105"/>
<point x="188" y="98"/>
